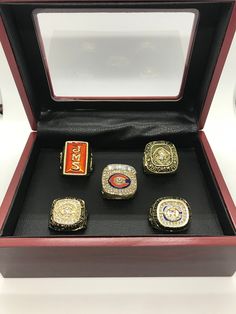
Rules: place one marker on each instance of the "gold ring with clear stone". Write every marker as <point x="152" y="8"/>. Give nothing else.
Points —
<point x="68" y="214"/>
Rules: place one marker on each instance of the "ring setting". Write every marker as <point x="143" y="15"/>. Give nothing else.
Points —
<point x="76" y="159"/>
<point x="119" y="181"/>
<point x="68" y="214"/>
<point x="160" y="157"/>
<point x="170" y="214"/>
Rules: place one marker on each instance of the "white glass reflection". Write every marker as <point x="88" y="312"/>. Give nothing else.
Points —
<point x="115" y="54"/>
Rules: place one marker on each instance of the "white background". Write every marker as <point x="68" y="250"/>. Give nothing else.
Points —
<point x="121" y="295"/>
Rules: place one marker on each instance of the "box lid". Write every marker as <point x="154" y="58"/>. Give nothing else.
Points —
<point x="162" y="59"/>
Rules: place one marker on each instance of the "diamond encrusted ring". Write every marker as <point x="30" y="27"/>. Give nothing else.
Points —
<point x="68" y="214"/>
<point x="119" y="181"/>
<point x="170" y="214"/>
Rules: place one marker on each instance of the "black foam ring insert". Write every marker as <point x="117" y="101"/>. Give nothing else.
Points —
<point x="44" y="183"/>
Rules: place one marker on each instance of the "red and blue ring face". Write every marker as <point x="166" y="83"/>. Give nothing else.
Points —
<point x="119" y="181"/>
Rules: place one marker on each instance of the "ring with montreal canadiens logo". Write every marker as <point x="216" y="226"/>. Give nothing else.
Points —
<point x="119" y="181"/>
<point x="170" y="214"/>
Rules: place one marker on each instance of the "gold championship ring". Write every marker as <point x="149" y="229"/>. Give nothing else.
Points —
<point x="76" y="159"/>
<point x="160" y="157"/>
<point x="68" y="214"/>
<point x="170" y="214"/>
<point x="119" y="181"/>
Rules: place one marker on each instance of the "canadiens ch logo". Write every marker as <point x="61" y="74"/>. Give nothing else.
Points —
<point x="119" y="181"/>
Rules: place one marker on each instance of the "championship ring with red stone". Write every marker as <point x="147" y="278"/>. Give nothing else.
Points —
<point x="76" y="159"/>
<point x="119" y="181"/>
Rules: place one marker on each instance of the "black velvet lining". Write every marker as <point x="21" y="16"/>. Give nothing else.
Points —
<point x="213" y="20"/>
<point x="42" y="183"/>
<point x="120" y="129"/>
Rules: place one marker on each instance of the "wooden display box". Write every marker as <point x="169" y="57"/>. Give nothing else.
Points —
<point x="119" y="240"/>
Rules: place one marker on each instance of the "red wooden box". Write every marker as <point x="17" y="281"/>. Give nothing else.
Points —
<point x="118" y="241"/>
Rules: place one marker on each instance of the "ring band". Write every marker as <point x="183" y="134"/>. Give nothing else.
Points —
<point x="119" y="181"/>
<point x="68" y="214"/>
<point x="160" y="157"/>
<point x="170" y="214"/>
<point x="76" y="159"/>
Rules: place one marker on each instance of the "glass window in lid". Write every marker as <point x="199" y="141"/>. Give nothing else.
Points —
<point x="115" y="54"/>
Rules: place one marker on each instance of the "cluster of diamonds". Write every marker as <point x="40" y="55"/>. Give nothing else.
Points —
<point x="160" y="157"/>
<point x="66" y="211"/>
<point x="112" y="192"/>
<point x="68" y="214"/>
<point x="170" y="214"/>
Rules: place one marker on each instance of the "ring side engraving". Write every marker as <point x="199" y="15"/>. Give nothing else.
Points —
<point x="76" y="159"/>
